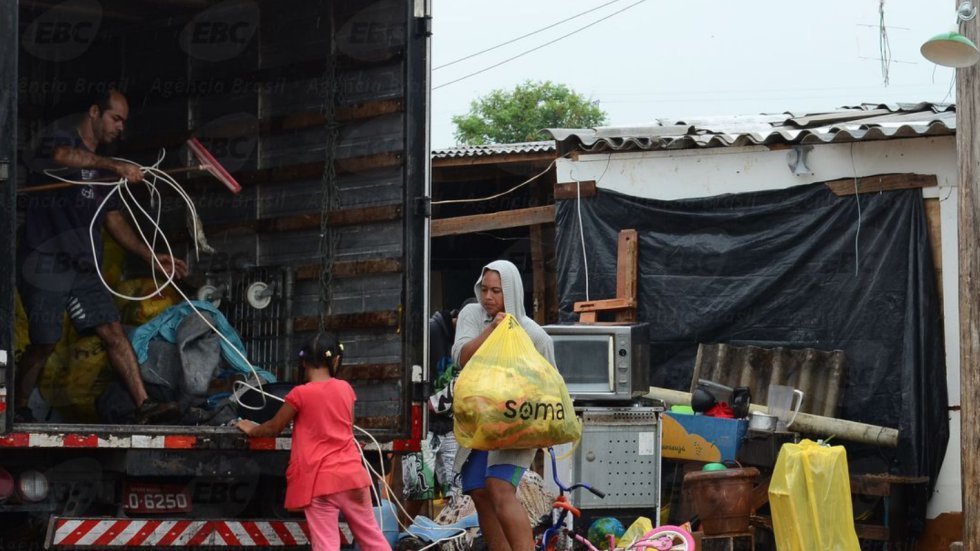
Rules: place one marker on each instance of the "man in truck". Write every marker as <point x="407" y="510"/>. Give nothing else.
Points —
<point x="61" y="250"/>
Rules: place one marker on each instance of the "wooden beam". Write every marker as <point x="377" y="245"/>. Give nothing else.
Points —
<point x="571" y="191"/>
<point x="537" y="264"/>
<point x="368" y="162"/>
<point x="299" y="222"/>
<point x="968" y="154"/>
<point x="385" y="319"/>
<point x="494" y="221"/>
<point x="370" y="372"/>
<point x="543" y="158"/>
<point x="352" y="268"/>
<point x="627" y="261"/>
<point x="934" y="228"/>
<point x="604" y="304"/>
<point x="881" y="182"/>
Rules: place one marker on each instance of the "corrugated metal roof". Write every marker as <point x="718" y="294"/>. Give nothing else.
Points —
<point x="849" y="124"/>
<point x="818" y="373"/>
<point x="493" y="149"/>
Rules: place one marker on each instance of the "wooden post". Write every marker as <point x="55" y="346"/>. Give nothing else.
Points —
<point x="968" y="153"/>
<point x="537" y="261"/>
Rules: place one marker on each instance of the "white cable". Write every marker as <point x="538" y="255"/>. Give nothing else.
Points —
<point x="154" y="260"/>
<point x="857" y="199"/>
<point x="502" y="193"/>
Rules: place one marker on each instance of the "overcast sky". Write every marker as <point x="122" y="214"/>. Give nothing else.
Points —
<point x="677" y="58"/>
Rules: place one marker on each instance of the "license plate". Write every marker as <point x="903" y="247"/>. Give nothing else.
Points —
<point x="156" y="498"/>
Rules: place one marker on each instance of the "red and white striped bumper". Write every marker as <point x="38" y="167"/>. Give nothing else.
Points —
<point x="111" y="532"/>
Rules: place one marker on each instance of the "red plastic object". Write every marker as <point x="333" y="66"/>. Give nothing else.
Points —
<point x="209" y="163"/>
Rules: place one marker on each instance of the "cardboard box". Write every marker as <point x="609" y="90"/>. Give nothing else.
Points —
<point x="701" y="438"/>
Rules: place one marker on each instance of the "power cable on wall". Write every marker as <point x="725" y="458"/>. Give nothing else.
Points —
<point x="550" y="42"/>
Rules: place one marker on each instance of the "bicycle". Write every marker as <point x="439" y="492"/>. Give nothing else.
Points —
<point x="661" y="538"/>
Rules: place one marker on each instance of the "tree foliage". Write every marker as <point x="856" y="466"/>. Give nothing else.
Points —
<point x="521" y="114"/>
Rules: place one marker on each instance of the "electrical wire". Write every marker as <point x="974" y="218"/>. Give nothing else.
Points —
<point x="502" y="193"/>
<point x="550" y="42"/>
<point x="155" y="176"/>
<point x="532" y="33"/>
<point x="857" y="199"/>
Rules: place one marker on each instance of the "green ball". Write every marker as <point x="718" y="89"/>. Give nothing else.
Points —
<point x="601" y="528"/>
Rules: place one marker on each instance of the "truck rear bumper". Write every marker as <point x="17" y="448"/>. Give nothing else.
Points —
<point x="104" y="532"/>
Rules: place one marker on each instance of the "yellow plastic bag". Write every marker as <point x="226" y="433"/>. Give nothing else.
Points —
<point x="509" y="397"/>
<point x="640" y="526"/>
<point x="810" y="499"/>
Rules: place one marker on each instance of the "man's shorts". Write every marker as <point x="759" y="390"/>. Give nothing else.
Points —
<point x="48" y="288"/>
<point x="475" y="472"/>
<point x="429" y="473"/>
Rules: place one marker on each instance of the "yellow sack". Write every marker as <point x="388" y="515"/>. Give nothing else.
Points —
<point x="810" y="499"/>
<point x="509" y="397"/>
<point x="142" y="311"/>
<point x="640" y="526"/>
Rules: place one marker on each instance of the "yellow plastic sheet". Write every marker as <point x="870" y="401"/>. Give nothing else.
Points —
<point x="509" y="397"/>
<point x="810" y="499"/>
<point x="640" y="526"/>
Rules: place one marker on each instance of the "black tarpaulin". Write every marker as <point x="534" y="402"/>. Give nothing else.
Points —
<point x="795" y="268"/>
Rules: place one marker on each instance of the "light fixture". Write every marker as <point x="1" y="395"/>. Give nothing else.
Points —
<point x="952" y="49"/>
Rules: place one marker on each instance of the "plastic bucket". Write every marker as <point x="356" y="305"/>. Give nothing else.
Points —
<point x="723" y="500"/>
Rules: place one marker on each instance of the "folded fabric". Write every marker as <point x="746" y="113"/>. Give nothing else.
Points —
<point x="165" y="325"/>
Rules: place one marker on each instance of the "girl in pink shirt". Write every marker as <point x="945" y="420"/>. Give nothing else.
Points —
<point x="325" y="474"/>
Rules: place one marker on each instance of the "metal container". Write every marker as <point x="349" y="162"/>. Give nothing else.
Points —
<point x="619" y="453"/>
<point x="762" y="422"/>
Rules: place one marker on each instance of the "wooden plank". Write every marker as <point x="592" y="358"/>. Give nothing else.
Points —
<point x="299" y="222"/>
<point x="934" y="229"/>
<point x="881" y="182"/>
<point x="537" y="264"/>
<point x="493" y="221"/>
<point x="368" y="162"/>
<point x="968" y="155"/>
<point x="370" y="372"/>
<point x="385" y="319"/>
<point x="605" y="304"/>
<point x="874" y="532"/>
<point x="352" y="268"/>
<point x="571" y="191"/>
<point x="541" y="158"/>
<point x="370" y="109"/>
<point x="627" y="258"/>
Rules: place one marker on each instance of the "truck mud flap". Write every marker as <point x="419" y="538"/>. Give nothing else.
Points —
<point x="103" y="532"/>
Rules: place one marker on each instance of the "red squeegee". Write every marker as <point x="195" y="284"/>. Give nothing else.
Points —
<point x="209" y="163"/>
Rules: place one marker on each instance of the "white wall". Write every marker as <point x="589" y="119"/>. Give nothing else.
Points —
<point x="687" y="174"/>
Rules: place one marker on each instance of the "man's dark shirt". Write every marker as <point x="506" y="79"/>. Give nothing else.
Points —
<point x="57" y="222"/>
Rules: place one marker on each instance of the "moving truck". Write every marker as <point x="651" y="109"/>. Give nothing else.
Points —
<point x="318" y="111"/>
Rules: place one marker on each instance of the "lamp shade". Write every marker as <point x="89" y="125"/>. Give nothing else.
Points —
<point x="950" y="50"/>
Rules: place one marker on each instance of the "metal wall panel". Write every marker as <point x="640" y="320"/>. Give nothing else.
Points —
<point x="305" y="83"/>
<point x="8" y="160"/>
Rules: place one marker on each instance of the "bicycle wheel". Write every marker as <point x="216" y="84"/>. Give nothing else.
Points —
<point x="667" y="538"/>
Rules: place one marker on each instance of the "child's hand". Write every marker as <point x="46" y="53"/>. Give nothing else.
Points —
<point x="246" y="426"/>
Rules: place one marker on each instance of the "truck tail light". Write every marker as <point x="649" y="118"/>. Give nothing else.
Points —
<point x="33" y="486"/>
<point x="6" y="484"/>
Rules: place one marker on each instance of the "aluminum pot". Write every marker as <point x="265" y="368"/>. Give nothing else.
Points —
<point x="762" y="422"/>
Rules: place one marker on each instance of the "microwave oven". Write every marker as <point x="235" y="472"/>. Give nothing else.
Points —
<point x="603" y="363"/>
